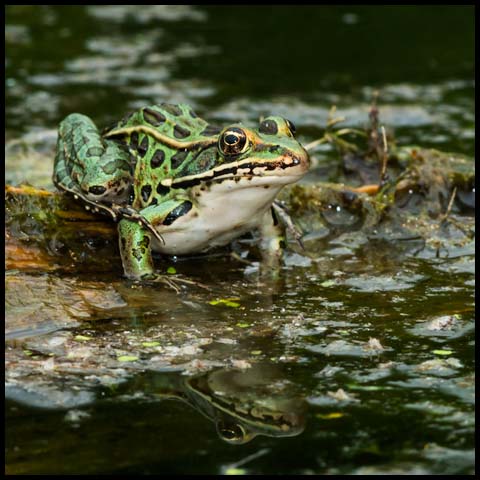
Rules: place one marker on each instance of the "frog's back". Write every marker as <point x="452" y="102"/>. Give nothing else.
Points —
<point x="177" y="122"/>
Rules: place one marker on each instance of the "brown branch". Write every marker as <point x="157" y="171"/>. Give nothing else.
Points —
<point x="383" y="169"/>
<point x="444" y="217"/>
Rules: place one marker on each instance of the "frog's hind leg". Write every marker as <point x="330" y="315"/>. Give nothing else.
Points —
<point x="96" y="170"/>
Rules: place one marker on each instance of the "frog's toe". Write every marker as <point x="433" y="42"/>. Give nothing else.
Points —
<point x="175" y="282"/>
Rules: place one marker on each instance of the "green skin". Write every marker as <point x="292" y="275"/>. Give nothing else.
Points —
<point x="164" y="175"/>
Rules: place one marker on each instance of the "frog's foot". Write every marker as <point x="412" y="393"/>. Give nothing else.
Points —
<point x="116" y="212"/>
<point x="174" y="282"/>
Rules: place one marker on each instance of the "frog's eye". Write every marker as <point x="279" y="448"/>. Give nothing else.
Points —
<point x="269" y="127"/>
<point x="291" y="126"/>
<point x="232" y="432"/>
<point x="233" y="141"/>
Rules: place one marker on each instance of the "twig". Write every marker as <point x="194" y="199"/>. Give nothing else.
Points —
<point x="449" y="206"/>
<point x="383" y="170"/>
<point x="249" y="458"/>
<point x="288" y="222"/>
<point x="332" y="121"/>
<point x="373" y="115"/>
<point x="313" y="144"/>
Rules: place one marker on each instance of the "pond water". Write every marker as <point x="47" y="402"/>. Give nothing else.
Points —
<point x="358" y="359"/>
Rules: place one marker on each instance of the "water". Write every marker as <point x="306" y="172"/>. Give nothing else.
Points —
<point x="364" y="348"/>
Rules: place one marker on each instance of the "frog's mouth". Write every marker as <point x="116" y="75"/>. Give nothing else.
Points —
<point x="285" y="169"/>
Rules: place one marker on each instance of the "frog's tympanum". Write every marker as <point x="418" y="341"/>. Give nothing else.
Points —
<point x="175" y="184"/>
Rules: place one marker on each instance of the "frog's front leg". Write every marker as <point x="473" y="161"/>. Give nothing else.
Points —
<point x="97" y="170"/>
<point x="135" y="240"/>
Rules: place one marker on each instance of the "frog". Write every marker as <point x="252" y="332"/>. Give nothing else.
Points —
<point x="177" y="184"/>
<point x="241" y="403"/>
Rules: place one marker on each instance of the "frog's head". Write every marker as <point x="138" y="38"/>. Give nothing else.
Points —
<point x="269" y="151"/>
<point x="244" y="404"/>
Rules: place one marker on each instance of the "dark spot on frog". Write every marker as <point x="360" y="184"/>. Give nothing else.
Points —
<point x="143" y="147"/>
<point x="122" y="144"/>
<point x="138" y="253"/>
<point x="157" y="158"/>
<point x="146" y="192"/>
<point x="172" y="109"/>
<point x="123" y="241"/>
<point x="211" y="130"/>
<point x="274" y="217"/>
<point x="178" y="158"/>
<point x="282" y="244"/>
<point x="180" y="132"/>
<point x="262" y="147"/>
<point x="154" y="201"/>
<point x="134" y="140"/>
<point x="94" y="151"/>
<point x="192" y="114"/>
<point x="162" y="190"/>
<point x="291" y="126"/>
<point x="153" y="117"/>
<point x="97" y="190"/>
<point x="177" y="212"/>
<point x="144" y="243"/>
<point x="268" y="127"/>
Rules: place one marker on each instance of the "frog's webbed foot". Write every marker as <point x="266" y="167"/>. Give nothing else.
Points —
<point x="174" y="282"/>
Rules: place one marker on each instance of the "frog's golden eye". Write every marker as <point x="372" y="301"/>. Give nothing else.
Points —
<point x="232" y="432"/>
<point x="233" y="141"/>
<point x="291" y="126"/>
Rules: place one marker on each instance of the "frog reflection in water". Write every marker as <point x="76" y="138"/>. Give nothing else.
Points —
<point x="177" y="185"/>
<point x="241" y="403"/>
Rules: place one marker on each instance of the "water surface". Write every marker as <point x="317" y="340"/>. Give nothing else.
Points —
<point x="365" y="345"/>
